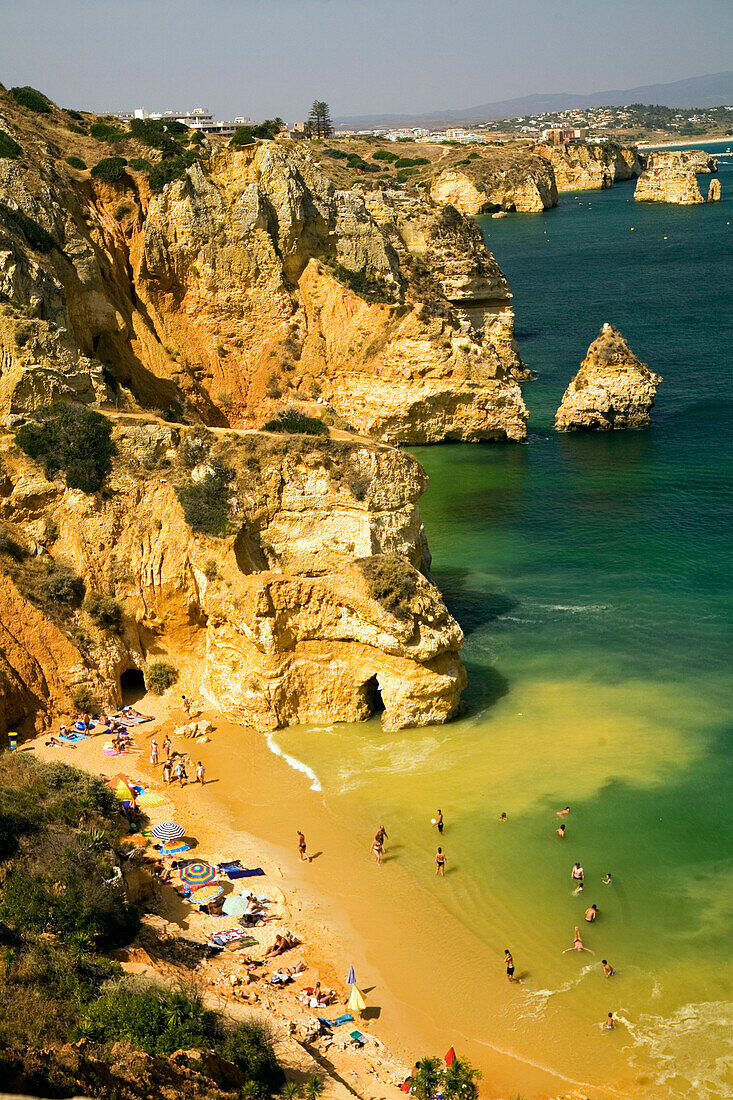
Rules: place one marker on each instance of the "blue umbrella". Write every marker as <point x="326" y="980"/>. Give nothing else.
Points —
<point x="351" y="980"/>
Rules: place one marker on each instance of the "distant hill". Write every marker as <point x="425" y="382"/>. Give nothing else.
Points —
<point x="697" y="91"/>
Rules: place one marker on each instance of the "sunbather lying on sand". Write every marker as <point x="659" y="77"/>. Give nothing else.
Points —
<point x="286" y="974"/>
<point x="54" y="741"/>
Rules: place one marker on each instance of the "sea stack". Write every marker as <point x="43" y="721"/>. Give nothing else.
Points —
<point x="612" y="389"/>
<point x="673" y="184"/>
<point x="714" y="191"/>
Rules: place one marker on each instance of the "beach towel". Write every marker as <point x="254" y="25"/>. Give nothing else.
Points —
<point x="359" y="1039"/>
<point x="71" y="738"/>
<point x="233" y="871"/>
<point x="347" y="1018"/>
<point x="151" y="799"/>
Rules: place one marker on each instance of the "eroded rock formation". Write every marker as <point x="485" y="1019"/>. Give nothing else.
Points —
<point x="314" y="606"/>
<point x="714" y="191"/>
<point x="527" y="186"/>
<point x="589" y="167"/>
<point x="246" y="282"/>
<point x="673" y="184"/>
<point x="612" y="389"/>
<point x="696" y="159"/>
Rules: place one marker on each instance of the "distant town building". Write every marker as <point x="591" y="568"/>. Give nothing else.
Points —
<point x="200" y="118"/>
<point x="465" y="137"/>
<point x="558" y="136"/>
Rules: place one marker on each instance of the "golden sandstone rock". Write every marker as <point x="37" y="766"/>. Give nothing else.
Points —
<point x="677" y="185"/>
<point x="611" y="390"/>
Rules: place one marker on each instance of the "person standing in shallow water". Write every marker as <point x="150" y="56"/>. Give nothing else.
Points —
<point x="509" y="963"/>
<point x="381" y="836"/>
<point x="304" y="857"/>
<point x="439" y="821"/>
<point x="440" y="863"/>
<point x="609" y="1023"/>
<point x="607" y="968"/>
<point x="561" y="831"/>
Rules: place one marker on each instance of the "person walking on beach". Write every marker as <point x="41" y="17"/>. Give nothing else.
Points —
<point x="304" y="857"/>
<point x="154" y="753"/>
<point x="561" y="831"/>
<point x="509" y="963"/>
<point x="591" y="913"/>
<point x="381" y="836"/>
<point x="607" y="968"/>
<point x="439" y="821"/>
<point x="186" y="704"/>
<point x="440" y="863"/>
<point x="377" y="848"/>
<point x="609" y="1023"/>
<point x="167" y="746"/>
<point x="578" y="944"/>
<point x="167" y="768"/>
<point x="180" y="772"/>
<point x="577" y="875"/>
<point x="200" y="773"/>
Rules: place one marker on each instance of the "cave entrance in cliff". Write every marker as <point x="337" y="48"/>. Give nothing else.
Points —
<point x="374" y="695"/>
<point x="132" y="685"/>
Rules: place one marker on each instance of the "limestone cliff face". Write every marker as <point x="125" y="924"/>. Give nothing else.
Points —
<point x="676" y="185"/>
<point x="695" y="159"/>
<point x="247" y="282"/>
<point x="611" y="390"/>
<point x="528" y="186"/>
<point x="314" y="607"/>
<point x="585" y="167"/>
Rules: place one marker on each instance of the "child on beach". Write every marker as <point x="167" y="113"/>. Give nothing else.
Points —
<point x="200" y="773"/>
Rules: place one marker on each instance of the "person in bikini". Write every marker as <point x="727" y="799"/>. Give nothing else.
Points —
<point x="377" y="848"/>
<point x="304" y="858"/>
<point x="440" y="863"/>
<point x="578" y="944"/>
<point x="562" y="813"/>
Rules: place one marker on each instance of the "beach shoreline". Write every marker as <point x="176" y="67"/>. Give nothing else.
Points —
<point x="332" y="908"/>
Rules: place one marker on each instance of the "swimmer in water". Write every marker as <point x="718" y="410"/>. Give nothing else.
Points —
<point x="591" y="913"/>
<point x="561" y="831"/>
<point x="578" y="944"/>
<point x="607" y="880"/>
<point x="609" y="1023"/>
<point x="607" y="968"/>
<point x="563" y="813"/>
<point x="502" y="817"/>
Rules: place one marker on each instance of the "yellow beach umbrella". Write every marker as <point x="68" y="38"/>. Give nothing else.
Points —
<point x="356" y="1000"/>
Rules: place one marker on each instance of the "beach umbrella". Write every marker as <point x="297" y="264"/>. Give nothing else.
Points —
<point x="351" y="980"/>
<point x="168" y="830"/>
<point x="356" y="1000"/>
<point x="450" y="1057"/>
<point x="174" y="849"/>
<point x="235" y="905"/>
<point x="205" y="894"/>
<point x="197" y="873"/>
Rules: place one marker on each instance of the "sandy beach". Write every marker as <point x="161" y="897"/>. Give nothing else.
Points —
<point x="429" y="983"/>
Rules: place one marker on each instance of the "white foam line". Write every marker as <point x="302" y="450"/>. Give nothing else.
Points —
<point x="293" y="762"/>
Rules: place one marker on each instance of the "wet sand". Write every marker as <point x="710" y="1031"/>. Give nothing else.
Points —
<point x="429" y="982"/>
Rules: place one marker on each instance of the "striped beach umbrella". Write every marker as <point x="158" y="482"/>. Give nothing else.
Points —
<point x="205" y="894"/>
<point x="168" y="830"/>
<point x="174" y="848"/>
<point x="197" y="873"/>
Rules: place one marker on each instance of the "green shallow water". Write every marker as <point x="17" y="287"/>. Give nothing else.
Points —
<point x="591" y="575"/>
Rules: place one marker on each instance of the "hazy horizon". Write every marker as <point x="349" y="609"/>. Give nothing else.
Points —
<point x="273" y="57"/>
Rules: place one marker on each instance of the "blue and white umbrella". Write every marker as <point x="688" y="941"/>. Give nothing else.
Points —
<point x="351" y="980"/>
<point x="168" y="830"/>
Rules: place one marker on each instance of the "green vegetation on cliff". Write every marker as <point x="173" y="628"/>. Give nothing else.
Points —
<point x="71" y="439"/>
<point x="32" y="100"/>
<point x="8" y="147"/>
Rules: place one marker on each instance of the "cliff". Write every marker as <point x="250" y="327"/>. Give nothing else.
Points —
<point x="246" y="282"/>
<point x="311" y="604"/>
<point x="611" y="390"/>
<point x="676" y="185"/>
<point x="590" y="167"/>
<point x="526" y="184"/>
<point x="695" y="159"/>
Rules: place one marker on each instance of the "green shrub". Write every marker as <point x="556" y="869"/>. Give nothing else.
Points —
<point x="460" y="1081"/>
<point x="76" y="162"/>
<point x="38" y="237"/>
<point x="8" y="147"/>
<point x="158" y="133"/>
<point x="337" y="154"/>
<point x="32" y="100"/>
<point x="73" y="439"/>
<point x="59" y="586"/>
<point x="205" y="503"/>
<point x="76" y="129"/>
<point x="384" y="154"/>
<point x="250" y="1047"/>
<point x="371" y="289"/>
<point x="151" y="1018"/>
<point x="111" y="169"/>
<point x="392" y="582"/>
<point x="140" y="164"/>
<point x="295" y="422"/>
<point x="160" y="675"/>
<point x="105" y="131"/>
<point x="74" y="114"/>
<point x="173" y="169"/>
<point x="9" y="546"/>
<point x="83" y="699"/>
<point x="211" y="570"/>
<point x="410" y="162"/>
<point x="242" y="136"/>
<point x="105" y="612"/>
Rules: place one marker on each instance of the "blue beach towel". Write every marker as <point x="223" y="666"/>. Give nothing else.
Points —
<point x="347" y="1018"/>
<point x="234" y="870"/>
<point x="71" y="738"/>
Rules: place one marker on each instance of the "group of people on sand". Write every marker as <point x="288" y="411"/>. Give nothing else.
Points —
<point x="174" y="771"/>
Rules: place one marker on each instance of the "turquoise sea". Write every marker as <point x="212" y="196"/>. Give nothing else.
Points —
<point x="592" y="577"/>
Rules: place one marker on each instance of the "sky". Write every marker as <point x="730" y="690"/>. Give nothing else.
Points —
<point x="263" y="58"/>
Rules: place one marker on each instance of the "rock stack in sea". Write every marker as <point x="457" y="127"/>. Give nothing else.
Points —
<point x="612" y="389"/>
<point x="714" y="191"/>
<point x="674" y="184"/>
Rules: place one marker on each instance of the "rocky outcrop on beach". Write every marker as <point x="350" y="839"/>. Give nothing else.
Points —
<point x="480" y="186"/>
<point x="313" y="605"/>
<point x="714" y="191"/>
<point x="590" y="167"/>
<point x="674" y="185"/>
<point x="246" y="283"/>
<point x="611" y="390"/>
<point x="698" y="160"/>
